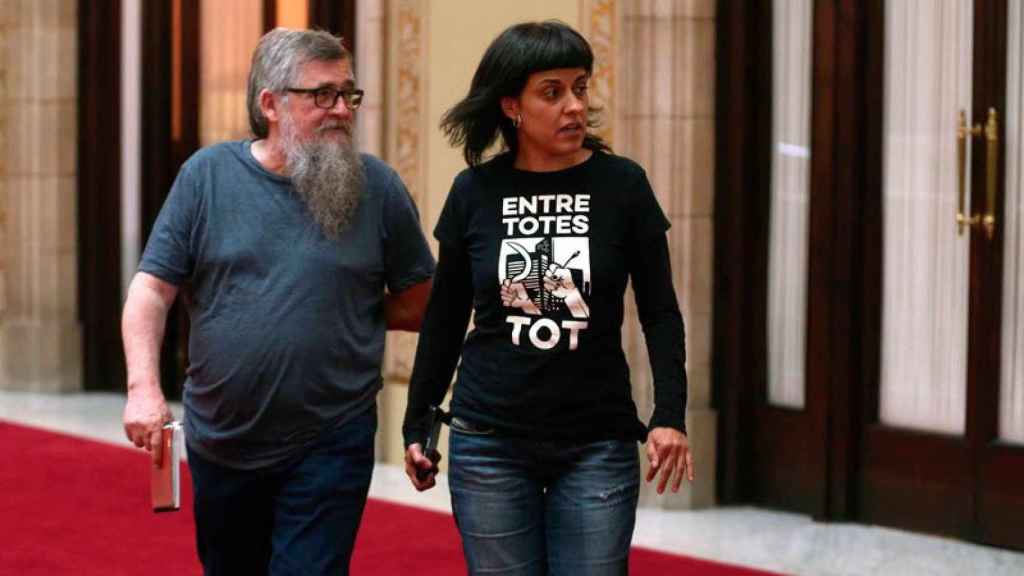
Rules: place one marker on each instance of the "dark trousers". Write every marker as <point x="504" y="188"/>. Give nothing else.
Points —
<point x="296" y="519"/>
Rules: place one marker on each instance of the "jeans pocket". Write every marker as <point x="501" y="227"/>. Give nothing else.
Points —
<point x="465" y="427"/>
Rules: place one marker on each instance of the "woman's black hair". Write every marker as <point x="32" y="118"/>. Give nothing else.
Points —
<point x="475" y="122"/>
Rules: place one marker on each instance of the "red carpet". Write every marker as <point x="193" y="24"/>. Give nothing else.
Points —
<point x="73" y="506"/>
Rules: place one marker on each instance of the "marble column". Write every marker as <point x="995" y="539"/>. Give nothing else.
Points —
<point x="397" y="126"/>
<point x="666" y="113"/>
<point x="40" y="338"/>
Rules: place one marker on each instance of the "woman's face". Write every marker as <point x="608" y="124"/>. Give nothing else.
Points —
<point x="553" y="115"/>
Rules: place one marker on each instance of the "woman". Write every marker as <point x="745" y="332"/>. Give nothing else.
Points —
<point x="539" y="242"/>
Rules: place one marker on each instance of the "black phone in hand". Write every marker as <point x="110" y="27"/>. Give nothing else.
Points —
<point x="437" y="418"/>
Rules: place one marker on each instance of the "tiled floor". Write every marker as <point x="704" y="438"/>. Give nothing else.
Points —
<point x="782" y="542"/>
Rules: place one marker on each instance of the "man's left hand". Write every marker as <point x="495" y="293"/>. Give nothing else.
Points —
<point x="668" y="451"/>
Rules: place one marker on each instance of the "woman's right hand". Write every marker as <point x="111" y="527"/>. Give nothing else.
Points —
<point x="417" y="466"/>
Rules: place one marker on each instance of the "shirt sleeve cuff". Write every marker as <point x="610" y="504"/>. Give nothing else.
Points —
<point x="668" y="419"/>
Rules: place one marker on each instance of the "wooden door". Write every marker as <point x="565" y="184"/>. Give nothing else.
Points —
<point x="933" y="456"/>
<point x="911" y="416"/>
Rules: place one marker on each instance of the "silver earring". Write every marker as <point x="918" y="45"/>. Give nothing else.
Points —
<point x="517" y="121"/>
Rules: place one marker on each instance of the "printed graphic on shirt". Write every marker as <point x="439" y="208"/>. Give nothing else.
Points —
<point x="544" y="268"/>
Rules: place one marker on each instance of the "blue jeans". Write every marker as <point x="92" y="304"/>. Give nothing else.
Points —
<point x="531" y="508"/>
<point x="300" y="518"/>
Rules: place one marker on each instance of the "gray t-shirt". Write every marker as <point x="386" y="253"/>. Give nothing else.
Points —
<point x="288" y="325"/>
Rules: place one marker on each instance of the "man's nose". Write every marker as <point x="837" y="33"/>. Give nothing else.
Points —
<point x="340" y="109"/>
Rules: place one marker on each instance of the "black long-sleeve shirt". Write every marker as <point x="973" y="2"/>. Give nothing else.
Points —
<point x="543" y="260"/>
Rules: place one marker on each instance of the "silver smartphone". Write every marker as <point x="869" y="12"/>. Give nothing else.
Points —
<point x="165" y="479"/>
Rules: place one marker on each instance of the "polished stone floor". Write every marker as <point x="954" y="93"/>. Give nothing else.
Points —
<point x="769" y="540"/>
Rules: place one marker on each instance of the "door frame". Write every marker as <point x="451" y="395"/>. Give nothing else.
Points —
<point x="999" y="498"/>
<point x="337" y="17"/>
<point x="99" y="194"/>
<point x="895" y="487"/>
<point x="857" y="469"/>
<point x="794" y="459"/>
<point x="972" y="488"/>
<point x="163" y="152"/>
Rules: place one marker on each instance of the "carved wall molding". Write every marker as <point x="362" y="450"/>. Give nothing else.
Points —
<point x="407" y="105"/>
<point x="406" y="137"/>
<point x="600" y="25"/>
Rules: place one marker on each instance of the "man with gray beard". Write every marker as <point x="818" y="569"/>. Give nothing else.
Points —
<point x="327" y="174"/>
<point x="298" y="254"/>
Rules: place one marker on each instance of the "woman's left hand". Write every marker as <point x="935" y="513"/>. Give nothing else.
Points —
<point x="668" y="450"/>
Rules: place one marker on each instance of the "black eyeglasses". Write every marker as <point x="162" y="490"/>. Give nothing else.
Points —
<point x="327" y="97"/>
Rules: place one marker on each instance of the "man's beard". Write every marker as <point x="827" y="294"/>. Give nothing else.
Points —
<point x="327" y="174"/>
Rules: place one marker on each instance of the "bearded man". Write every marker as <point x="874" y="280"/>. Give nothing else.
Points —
<point x="297" y="253"/>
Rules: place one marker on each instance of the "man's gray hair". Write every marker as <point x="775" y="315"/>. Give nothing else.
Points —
<point x="279" y="56"/>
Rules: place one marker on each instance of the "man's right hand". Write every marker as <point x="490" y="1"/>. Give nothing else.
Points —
<point x="145" y="414"/>
<point x="416" y="461"/>
<point x="142" y="329"/>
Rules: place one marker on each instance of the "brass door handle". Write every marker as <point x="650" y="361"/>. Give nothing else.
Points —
<point x="988" y="222"/>
<point x="991" y="134"/>
<point x="962" y="132"/>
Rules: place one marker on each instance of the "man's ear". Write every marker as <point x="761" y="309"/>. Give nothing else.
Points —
<point x="270" y="105"/>
<point x="510" y="107"/>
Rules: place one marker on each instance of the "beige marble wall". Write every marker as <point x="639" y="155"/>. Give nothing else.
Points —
<point x="369" y="56"/>
<point x="40" y="342"/>
<point x="666" y="112"/>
